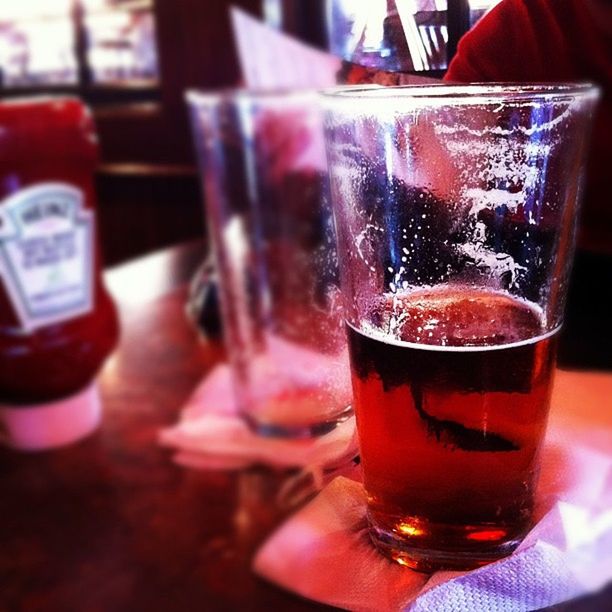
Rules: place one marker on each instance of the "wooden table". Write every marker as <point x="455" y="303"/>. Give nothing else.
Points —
<point x="111" y="524"/>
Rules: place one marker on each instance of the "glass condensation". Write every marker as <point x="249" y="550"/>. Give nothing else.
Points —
<point x="456" y="210"/>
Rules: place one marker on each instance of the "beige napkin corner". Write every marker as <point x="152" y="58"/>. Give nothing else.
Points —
<point x="210" y="435"/>
<point x="324" y="553"/>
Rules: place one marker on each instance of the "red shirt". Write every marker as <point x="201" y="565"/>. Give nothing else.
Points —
<point x="552" y="40"/>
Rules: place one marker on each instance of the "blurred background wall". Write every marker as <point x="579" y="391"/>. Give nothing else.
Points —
<point x="132" y="60"/>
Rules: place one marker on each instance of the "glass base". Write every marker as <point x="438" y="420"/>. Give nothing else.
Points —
<point x="299" y="431"/>
<point x="430" y="560"/>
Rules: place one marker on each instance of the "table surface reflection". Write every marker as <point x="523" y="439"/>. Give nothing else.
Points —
<point x="111" y="524"/>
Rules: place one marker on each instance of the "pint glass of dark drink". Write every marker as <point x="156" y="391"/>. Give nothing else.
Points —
<point x="455" y="210"/>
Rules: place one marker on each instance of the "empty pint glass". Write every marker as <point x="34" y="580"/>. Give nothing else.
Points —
<point x="262" y="160"/>
<point x="456" y="211"/>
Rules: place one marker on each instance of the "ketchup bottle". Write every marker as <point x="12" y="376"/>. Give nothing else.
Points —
<point x="57" y="322"/>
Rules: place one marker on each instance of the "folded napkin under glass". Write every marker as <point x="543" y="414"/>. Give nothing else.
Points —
<point x="324" y="553"/>
<point x="211" y="435"/>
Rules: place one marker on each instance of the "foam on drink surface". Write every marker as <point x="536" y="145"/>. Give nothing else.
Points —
<point x="455" y="318"/>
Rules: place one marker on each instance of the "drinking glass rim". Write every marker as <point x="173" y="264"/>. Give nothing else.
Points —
<point x="467" y="93"/>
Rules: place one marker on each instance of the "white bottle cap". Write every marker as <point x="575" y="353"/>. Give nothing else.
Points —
<point x="44" y="426"/>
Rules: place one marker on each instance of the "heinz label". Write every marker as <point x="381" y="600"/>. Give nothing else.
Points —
<point x="46" y="254"/>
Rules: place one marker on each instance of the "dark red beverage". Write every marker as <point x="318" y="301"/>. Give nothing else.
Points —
<point x="451" y="390"/>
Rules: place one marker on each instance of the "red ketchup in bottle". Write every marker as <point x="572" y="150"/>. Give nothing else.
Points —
<point x="57" y="322"/>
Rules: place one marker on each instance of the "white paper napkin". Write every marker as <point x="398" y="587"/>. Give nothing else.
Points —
<point x="210" y="435"/>
<point x="324" y="553"/>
